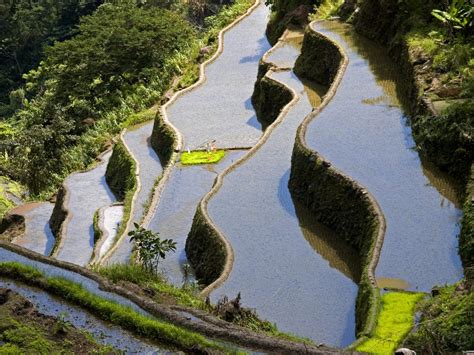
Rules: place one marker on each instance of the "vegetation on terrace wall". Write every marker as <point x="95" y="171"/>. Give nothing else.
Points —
<point x="286" y="12"/>
<point x="447" y="322"/>
<point x="163" y="139"/>
<point x="120" y="173"/>
<point x="269" y="97"/>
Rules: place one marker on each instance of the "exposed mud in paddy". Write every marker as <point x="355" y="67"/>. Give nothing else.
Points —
<point x="364" y="133"/>
<point x="38" y="235"/>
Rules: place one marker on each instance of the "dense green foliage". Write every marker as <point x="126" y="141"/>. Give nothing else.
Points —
<point x="122" y="59"/>
<point x="466" y="237"/>
<point x="449" y="137"/>
<point x="447" y="323"/>
<point x="394" y="321"/>
<point x="26" y="27"/>
<point x="8" y="189"/>
<point x="163" y="291"/>
<point x="108" y="310"/>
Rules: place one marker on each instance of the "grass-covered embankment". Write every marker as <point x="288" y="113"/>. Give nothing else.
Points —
<point x="447" y="322"/>
<point x="395" y="320"/>
<point x="154" y="286"/>
<point x="153" y="329"/>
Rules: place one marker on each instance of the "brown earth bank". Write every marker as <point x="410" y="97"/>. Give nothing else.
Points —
<point x="25" y="330"/>
<point x="12" y="226"/>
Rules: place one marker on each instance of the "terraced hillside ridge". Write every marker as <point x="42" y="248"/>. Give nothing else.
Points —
<point x="150" y="169"/>
<point x="275" y="268"/>
<point x="364" y="133"/>
<point x="174" y="215"/>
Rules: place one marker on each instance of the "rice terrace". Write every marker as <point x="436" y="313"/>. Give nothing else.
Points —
<point x="237" y="176"/>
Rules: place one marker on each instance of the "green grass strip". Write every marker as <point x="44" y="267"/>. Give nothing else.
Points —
<point x="200" y="157"/>
<point x="395" y="320"/>
<point x="109" y="311"/>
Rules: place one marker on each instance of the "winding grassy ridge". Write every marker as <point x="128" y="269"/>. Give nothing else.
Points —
<point x="109" y="311"/>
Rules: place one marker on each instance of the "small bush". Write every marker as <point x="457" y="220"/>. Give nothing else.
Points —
<point x="447" y="322"/>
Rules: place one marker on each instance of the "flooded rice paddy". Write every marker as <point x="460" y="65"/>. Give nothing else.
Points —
<point x="221" y="108"/>
<point x="137" y="140"/>
<point x="38" y="235"/>
<point x="88" y="191"/>
<point x="364" y="133"/>
<point x="174" y="216"/>
<point x="283" y="263"/>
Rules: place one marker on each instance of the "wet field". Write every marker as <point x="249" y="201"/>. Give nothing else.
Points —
<point x="38" y="235"/>
<point x="285" y="264"/>
<point x="364" y="133"/>
<point x="177" y="206"/>
<point x="88" y="191"/>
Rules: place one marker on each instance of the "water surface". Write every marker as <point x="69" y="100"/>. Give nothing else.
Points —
<point x="88" y="191"/>
<point x="38" y="235"/>
<point x="364" y="132"/>
<point x="176" y="209"/>
<point x="221" y="108"/>
<point x="286" y="267"/>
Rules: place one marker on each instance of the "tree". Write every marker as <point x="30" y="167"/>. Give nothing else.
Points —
<point x="150" y="247"/>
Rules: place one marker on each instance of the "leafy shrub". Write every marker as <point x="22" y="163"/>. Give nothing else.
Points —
<point x="449" y="138"/>
<point x="447" y="323"/>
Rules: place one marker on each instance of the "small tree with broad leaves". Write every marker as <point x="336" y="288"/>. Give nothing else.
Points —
<point x="150" y="247"/>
